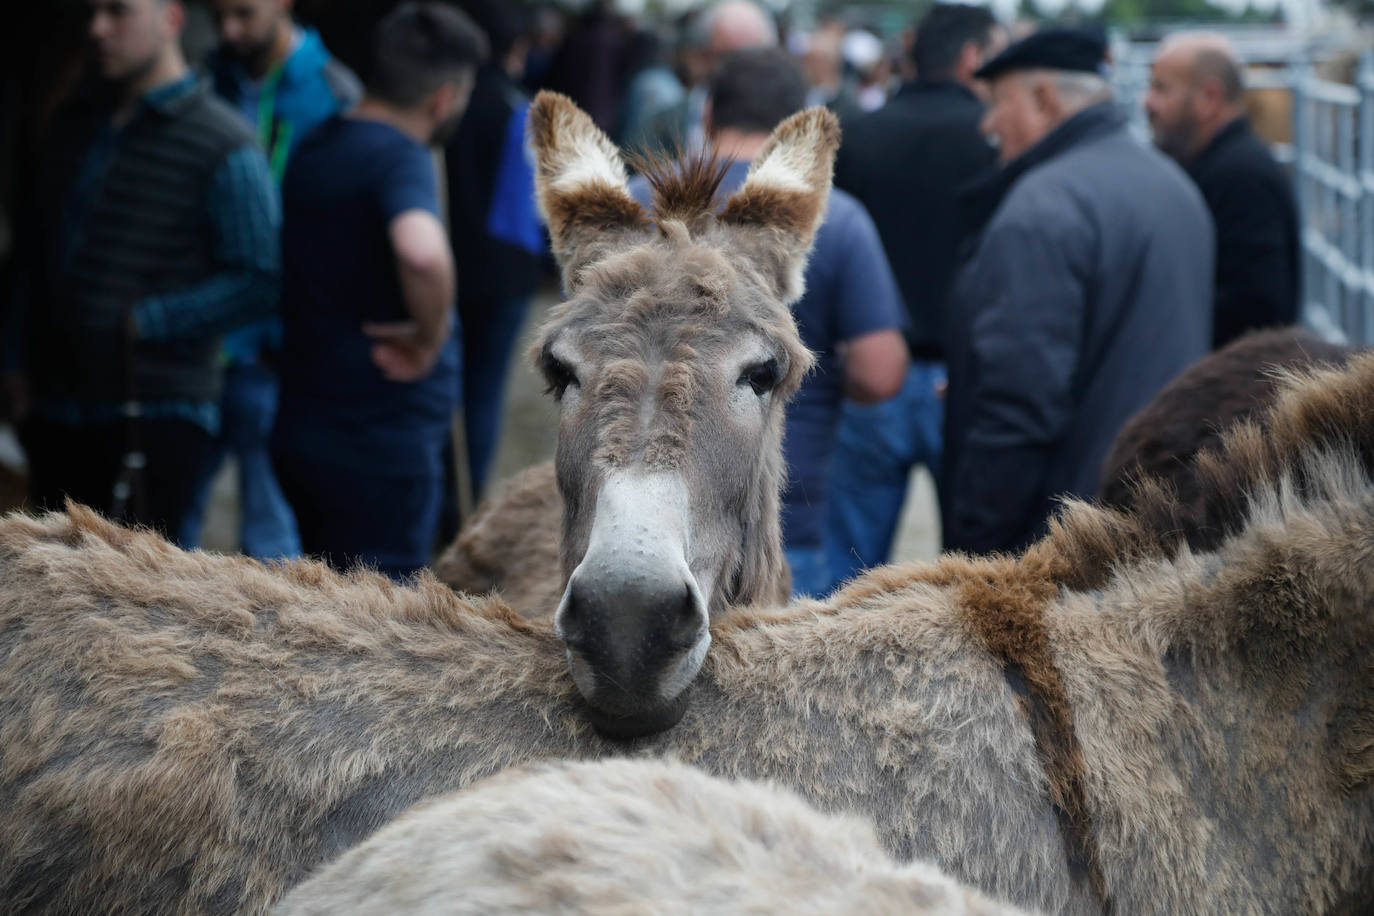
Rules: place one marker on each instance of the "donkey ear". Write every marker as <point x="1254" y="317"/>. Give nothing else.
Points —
<point x="782" y="201"/>
<point x="581" y="186"/>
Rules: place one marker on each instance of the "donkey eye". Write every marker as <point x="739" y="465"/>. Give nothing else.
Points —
<point x="762" y="377"/>
<point x="558" y="375"/>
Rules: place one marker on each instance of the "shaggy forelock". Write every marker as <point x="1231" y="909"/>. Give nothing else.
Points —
<point x="680" y="299"/>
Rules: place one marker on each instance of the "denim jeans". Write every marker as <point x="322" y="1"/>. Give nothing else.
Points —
<point x="267" y="528"/>
<point x="876" y="447"/>
<point x="349" y="516"/>
<point x="810" y="571"/>
<point x="489" y="332"/>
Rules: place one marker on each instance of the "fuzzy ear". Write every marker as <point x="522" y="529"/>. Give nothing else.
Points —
<point x="782" y="201"/>
<point x="581" y="186"/>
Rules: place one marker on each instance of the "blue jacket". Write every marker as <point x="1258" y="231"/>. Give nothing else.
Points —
<point x="310" y="87"/>
<point x="1089" y="290"/>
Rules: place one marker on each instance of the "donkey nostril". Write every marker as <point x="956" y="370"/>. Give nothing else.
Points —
<point x="686" y="622"/>
<point x="572" y="619"/>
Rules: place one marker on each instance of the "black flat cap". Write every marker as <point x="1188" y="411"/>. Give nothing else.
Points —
<point x="1075" y="49"/>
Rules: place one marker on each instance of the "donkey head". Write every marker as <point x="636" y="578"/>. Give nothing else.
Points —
<point x="671" y="361"/>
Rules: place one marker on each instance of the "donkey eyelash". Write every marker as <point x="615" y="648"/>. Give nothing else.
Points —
<point x="762" y="377"/>
<point x="558" y="375"/>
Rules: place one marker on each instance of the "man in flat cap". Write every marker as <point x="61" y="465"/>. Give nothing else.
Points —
<point x="1196" y="106"/>
<point x="1087" y="289"/>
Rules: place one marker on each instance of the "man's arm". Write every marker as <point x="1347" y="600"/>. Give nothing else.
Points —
<point x="1024" y="342"/>
<point x="875" y="366"/>
<point x="870" y="316"/>
<point x="407" y="351"/>
<point x="244" y="213"/>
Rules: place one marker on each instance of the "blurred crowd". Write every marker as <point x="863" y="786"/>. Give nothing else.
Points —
<point x="309" y="249"/>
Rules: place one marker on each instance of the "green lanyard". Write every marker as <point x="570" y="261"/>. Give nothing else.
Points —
<point x="273" y="134"/>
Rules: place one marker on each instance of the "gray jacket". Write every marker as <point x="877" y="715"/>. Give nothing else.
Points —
<point x="1089" y="289"/>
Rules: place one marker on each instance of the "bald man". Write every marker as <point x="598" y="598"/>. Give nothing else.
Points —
<point x="730" y="25"/>
<point x="1196" y="107"/>
<point x="734" y="25"/>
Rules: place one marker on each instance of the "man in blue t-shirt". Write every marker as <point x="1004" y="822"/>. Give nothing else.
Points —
<point x="370" y="362"/>
<point x="850" y="316"/>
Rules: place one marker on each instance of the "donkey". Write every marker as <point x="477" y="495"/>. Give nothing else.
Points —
<point x="1123" y="718"/>
<point x="671" y="362"/>
<point x="1190" y="413"/>
<point x="505" y="846"/>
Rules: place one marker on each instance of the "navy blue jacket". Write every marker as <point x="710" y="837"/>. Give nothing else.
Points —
<point x="1089" y="289"/>
<point x="906" y="163"/>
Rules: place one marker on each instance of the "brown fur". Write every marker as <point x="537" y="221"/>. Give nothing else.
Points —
<point x="685" y="187"/>
<point x="1189" y="415"/>
<point x="520" y="522"/>
<point x="184" y="733"/>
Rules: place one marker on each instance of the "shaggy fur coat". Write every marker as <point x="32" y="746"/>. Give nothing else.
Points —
<point x="1120" y="717"/>
<point x="624" y="836"/>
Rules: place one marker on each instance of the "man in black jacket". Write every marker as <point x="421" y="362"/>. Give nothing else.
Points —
<point x="1196" y="106"/>
<point x="905" y="162"/>
<point x="496" y="236"/>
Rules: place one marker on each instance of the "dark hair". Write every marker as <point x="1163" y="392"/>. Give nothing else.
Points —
<point x="504" y="22"/>
<point x="753" y="90"/>
<point x="942" y="33"/>
<point x="418" y="47"/>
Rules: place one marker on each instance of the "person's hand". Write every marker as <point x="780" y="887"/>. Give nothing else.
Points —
<point x="401" y="352"/>
<point x="16" y="390"/>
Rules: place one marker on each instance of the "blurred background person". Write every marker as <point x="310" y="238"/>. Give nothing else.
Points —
<point x="1196" y="107"/>
<point x="651" y="86"/>
<point x="497" y="237"/>
<point x="906" y="163"/>
<point x="370" y="368"/>
<point x="284" y="83"/>
<point x="588" y="64"/>
<point x="850" y="315"/>
<point x="547" y="30"/>
<point x="865" y="56"/>
<point x="729" y="25"/>
<point x="1089" y="288"/>
<point x="822" y="61"/>
<point x="156" y="229"/>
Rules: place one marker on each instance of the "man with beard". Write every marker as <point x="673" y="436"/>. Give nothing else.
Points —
<point x="1196" y="106"/>
<point x="284" y="83"/>
<point x="369" y="368"/>
<point x="155" y="231"/>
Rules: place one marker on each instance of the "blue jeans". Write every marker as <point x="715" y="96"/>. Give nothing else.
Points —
<point x="810" y="571"/>
<point x="876" y="447"/>
<point x="489" y="332"/>
<point x="350" y="517"/>
<point x="267" y="527"/>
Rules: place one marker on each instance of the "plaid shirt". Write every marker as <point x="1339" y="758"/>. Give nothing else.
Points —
<point x="244" y="215"/>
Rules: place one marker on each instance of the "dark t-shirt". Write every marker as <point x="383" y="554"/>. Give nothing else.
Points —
<point x="345" y="183"/>
<point x="850" y="292"/>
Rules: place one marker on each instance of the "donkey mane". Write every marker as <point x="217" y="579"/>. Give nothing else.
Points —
<point x="1279" y="460"/>
<point x="686" y="187"/>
